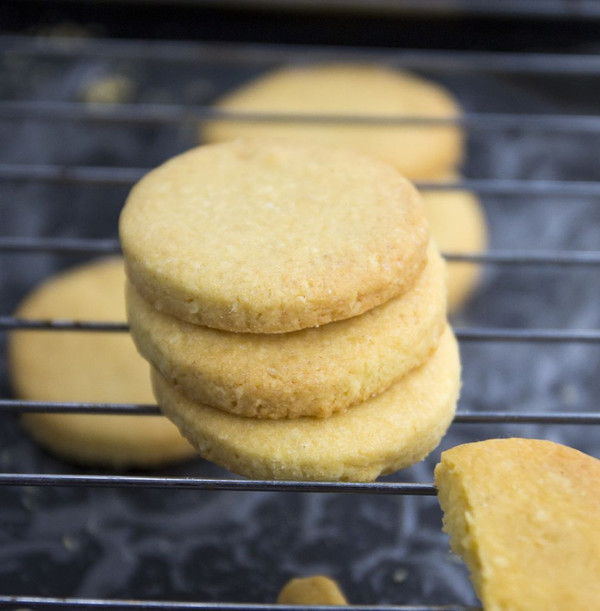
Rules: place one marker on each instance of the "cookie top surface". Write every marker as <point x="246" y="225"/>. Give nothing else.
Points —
<point x="525" y="516"/>
<point x="388" y="432"/>
<point x="338" y="89"/>
<point x="312" y="372"/>
<point x="269" y="237"/>
<point x="89" y="367"/>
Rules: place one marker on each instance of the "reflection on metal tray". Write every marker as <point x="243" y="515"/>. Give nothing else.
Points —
<point x="65" y="170"/>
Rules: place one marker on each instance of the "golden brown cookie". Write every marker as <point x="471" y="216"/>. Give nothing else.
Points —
<point x="317" y="590"/>
<point x="524" y="514"/>
<point x="312" y="372"/>
<point x="89" y="367"/>
<point x="267" y="237"/>
<point x="458" y="226"/>
<point x="338" y="89"/>
<point x="391" y="431"/>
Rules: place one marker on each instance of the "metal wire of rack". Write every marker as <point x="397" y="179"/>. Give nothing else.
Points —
<point x="127" y="115"/>
<point x="74" y="603"/>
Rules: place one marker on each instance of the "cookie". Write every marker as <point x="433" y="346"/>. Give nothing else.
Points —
<point x="458" y="226"/>
<point x="338" y="89"/>
<point x="317" y="590"/>
<point x="312" y="372"/>
<point x="393" y="430"/>
<point x="524" y="514"/>
<point x="269" y="237"/>
<point x="89" y="367"/>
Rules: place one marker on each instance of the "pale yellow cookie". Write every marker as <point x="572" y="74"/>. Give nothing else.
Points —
<point x="89" y="367"/>
<point x="525" y="516"/>
<point x="312" y="372"/>
<point x="316" y="590"/>
<point x="393" y="430"/>
<point x="269" y="237"/>
<point x="458" y="226"/>
<point x="338" y="89"/>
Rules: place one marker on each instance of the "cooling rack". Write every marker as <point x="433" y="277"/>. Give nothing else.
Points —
<point x="502" y="125"/>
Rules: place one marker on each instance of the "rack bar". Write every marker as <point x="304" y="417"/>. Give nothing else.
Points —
<point x="589" y="336"/>
<point x="494" y="257"/>
<point x="59" y="245"/>
<point x="12" y="406"/>
<point x="56" y="174"/>
<point x="167" y="113"/>
<point x="561" y="418"/>
<point x="36" y="602"/>
<point x="199" y="483"/>
<point x="249" y="54"/>
<point x="512" y="187"/>
<point x="9" y="322"/>
<point x="528" y="257"/>
<point x="477" y="334"/>
<point x="118" y="176"/>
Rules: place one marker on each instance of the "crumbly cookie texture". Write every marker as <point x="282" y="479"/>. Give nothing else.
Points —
<point x="393" y="430"/>
<point x="524" y="514"/>
<point x="89" y="367"/>
<point x="458" y="226"/>
<point x="342" y="89"/>
<point x="312" y="372"/>
<point x="316" y="590"/>
<point x="270" y="237"/>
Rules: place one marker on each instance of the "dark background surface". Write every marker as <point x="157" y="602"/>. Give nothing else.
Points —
<point x="495" y="25"/>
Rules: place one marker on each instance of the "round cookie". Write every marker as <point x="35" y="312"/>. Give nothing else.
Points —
<point x="458" y="226"/>
<point x="338" y="89"/>
<point x="393" y="430"/>
<point x="270" y="237"/>
<point x="89" y="367"/>
<point x="312" y="372"/>
<point x="525" y="516"/>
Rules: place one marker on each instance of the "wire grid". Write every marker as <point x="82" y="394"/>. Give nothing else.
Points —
<point x="143" y="113"/>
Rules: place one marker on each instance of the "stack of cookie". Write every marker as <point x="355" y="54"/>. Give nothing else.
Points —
<point x="293" y="309"/>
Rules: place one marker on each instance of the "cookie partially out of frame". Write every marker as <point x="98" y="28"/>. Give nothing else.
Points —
<point x="391" y="431"/>
<point x="312" y="372"/>
<point x="458" y="226"/>
<point x="79" y="366"/>
<point x="270" y="237"/>
<point x="524" y="514"/>
<point x="315" y="590"/>
<point x="344" y="89"/>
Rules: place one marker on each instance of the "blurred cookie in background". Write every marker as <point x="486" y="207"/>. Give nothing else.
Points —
<point x="88" y="366"/>
<point x="351" y="90"/>
<point x="458" y="226"/>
